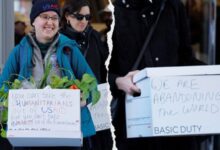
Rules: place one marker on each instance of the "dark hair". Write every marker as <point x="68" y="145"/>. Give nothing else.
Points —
<point x="20" y="22"/>
<point x="70" y="7"/>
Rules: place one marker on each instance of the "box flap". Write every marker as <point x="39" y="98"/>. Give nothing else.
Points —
<point x="177" y="71"/>
<point x="183" y="71"/>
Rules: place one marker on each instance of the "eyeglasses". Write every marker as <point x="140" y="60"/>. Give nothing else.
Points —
<point x="47" y="17"/>
<point x="80" y="16"/>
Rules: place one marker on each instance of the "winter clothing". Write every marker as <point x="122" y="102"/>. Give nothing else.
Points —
<point x="169" y="46"/>
<point x="96" y="54"/>
<point x="92" y="48"/>
<point x="68" y="56"/>
<point x="39" y="60"/>
<point x="40" y="6"/>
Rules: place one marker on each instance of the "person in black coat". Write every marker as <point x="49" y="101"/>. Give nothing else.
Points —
<point x="75" y="24"/>
<point x="168" y="46"/>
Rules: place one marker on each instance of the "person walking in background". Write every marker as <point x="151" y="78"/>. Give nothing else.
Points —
<point x="20" y="27"/>
<point x="169" y="45"/>
<point x="75" y="23"/>
<point x="106" y="17"/>
<point x="44" y="45"/>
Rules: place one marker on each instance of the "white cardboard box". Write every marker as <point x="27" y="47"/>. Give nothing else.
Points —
<point x="175" y="101"/>
<point x="44" y="117"/>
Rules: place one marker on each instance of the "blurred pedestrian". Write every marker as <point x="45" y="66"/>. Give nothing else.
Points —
<point x="75" y="23"/>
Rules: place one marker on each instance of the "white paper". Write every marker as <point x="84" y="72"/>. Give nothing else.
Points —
<point x="44" y="114"/>
<point x="99" y="111"/>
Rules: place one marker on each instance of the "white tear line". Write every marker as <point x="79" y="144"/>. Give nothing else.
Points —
<point x="110" y="46"/>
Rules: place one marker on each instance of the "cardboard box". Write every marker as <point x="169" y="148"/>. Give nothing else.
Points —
<point x="175" y="101"/>
<point x="44" y="117"/>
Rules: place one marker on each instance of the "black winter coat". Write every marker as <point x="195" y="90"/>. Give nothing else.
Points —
<point x="96" y="52"/>
<point x="169" y="46"/>
<point x="93" y="49"/>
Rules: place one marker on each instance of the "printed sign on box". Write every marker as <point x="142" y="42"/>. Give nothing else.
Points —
<point x="175" y="101"/>
<point x="42" y="117"/>
<point x="100" y="111"/>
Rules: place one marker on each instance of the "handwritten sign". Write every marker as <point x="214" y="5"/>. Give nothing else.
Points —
<point x="100" y="111"/>
<point x="174" y="105"/>
<point x="44" y="114"/>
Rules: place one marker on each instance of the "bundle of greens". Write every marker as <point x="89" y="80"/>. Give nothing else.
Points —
<point x="87" y="86"/>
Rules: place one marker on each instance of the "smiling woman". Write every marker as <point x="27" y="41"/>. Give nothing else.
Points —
<point x="44" y="47"/>
<point x="45" y="23"/>
<point x="46" y="26"/>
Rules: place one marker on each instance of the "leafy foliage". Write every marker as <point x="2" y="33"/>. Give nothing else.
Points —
<point x="3" y="109"/>
<point x="87" y="86"/>
<point x="3" y="133"/>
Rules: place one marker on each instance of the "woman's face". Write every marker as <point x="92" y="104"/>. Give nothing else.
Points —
<point x="79" y="20"/>
<point x="46" y="26"/>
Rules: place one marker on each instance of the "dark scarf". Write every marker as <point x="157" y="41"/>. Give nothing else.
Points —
<point x="82" y="38"/>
